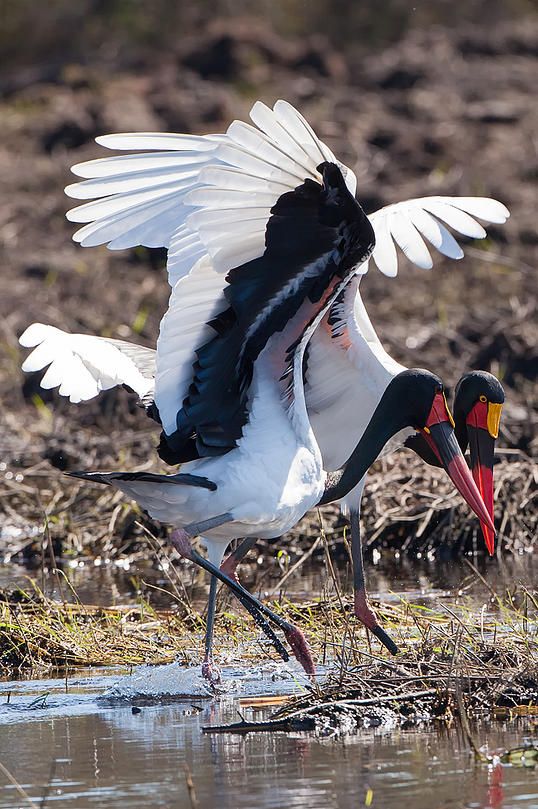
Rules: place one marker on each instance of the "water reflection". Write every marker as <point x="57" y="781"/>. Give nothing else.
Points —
<point x="391" y="577"/>
<point x="110" y="757"/>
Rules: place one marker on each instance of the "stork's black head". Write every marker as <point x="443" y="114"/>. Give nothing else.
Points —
<point x="414" y="398"/>
<point x="478" y="403"/>
<point x="412" y="395"/>
<point x="478" y="399"/>
<point x="472" y="387"/>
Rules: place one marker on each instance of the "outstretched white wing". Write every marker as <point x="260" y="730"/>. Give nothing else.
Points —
<point x="197" y="194"/>
<point x="208" y="200"/>
<point x="408" y="224"/>
<point x="82" y="366"/>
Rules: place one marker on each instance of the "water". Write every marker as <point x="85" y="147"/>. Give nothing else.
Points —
<point x="389" y="577"/>
<point x="67" y="744"/>
<point x="80" y="751"/>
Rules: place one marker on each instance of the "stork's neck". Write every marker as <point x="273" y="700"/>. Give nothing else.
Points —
<point x="387" y="420"/>
<point x="284" y="356"/>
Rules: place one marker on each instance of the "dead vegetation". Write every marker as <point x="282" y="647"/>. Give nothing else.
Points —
<point x="39" y="634"/>
<point x="454" y="661"/>
<point x="399" y="116"/>
<point x="454" y="656"/>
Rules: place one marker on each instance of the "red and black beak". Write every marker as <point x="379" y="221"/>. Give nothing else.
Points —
<point x="439" y="434"/>
<point x="482" y="430"/>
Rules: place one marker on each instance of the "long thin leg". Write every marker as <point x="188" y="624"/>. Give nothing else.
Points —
<point x="209" y="670"/>
<point x="234" y="558"/>
<point x="363" y="610"/>
<point x="181" y="540"/>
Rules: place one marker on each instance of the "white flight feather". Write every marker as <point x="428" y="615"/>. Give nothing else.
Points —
<point x="80" y="365"/>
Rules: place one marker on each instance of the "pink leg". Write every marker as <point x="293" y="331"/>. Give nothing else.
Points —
<point x="180" y="539"/>
<point x="362" y="609"/>
<point x="229" y="565"/>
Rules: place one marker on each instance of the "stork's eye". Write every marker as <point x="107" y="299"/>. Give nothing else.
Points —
<point x="483" y="398"/>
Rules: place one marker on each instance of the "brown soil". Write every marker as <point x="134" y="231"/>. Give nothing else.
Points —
<point x="441" y="112"/>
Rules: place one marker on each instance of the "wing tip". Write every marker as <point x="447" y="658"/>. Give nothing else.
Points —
<point x="105" y="140"/>
<point x="25" y="339"/>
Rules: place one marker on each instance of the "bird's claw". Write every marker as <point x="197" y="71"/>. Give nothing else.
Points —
<point x="211" y="673"/>
<point x="365" y="614"/>
<point x="300" y="648"/>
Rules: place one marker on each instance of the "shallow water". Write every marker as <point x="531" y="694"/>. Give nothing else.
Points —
<point x="79" y="750"/>
<point x="389" y="577"/>
<point x="78" y="743"/>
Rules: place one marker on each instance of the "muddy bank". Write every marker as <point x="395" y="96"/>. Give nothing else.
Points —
<point x="441" y="111"/>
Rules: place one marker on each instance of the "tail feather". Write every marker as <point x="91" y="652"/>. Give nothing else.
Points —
<point x="146" y="477"/>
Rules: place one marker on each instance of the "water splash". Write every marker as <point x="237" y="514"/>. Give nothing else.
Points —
<point x="177" y="682"/>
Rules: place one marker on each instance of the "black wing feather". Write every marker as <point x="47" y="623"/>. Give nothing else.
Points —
<point x="314" y="233"/>
<point x="147" y="477"/>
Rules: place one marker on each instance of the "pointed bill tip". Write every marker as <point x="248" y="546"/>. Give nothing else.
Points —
<point x="489" y="538"/>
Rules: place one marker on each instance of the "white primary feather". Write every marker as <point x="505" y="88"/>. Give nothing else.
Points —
<point x="80" y="365"/>
<point x="110" y="206"/>
<point x="284" y="154"/>
<point x="105" y="169"/>
<point x="405" y="223"/>
<point x="272" y="127"/>
<point x="152" y="232"/>
<point x="166" y="141"/>
<point x="117" y="225"/>
<point x="195" y="300"/>
<point x="136" y="180"/>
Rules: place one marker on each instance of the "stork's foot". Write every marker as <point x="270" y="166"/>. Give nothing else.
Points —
<point x="365" y="614"/>
<point x="211" y="673"/>
<point x="300" y="648"/>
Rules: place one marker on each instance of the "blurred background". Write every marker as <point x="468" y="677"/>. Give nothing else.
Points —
<point x="418" y="98"/>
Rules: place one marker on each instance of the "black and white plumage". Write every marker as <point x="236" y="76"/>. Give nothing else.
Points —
<point x="254" y="256"/>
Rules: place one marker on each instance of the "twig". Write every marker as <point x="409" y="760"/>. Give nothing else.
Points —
<point x="289" y="723"/>
<point x="464" y="719"/>
<point x="190" y="787"/>
<point x="359" y="703"/>
<point x="17" y="786"/>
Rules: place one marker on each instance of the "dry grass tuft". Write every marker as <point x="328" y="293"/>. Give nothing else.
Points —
<point x="451" y="655"/>
<point x="453" y="661"/>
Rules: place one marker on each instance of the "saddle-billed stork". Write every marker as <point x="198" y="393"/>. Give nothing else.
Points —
<point x="264" y="234"/>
